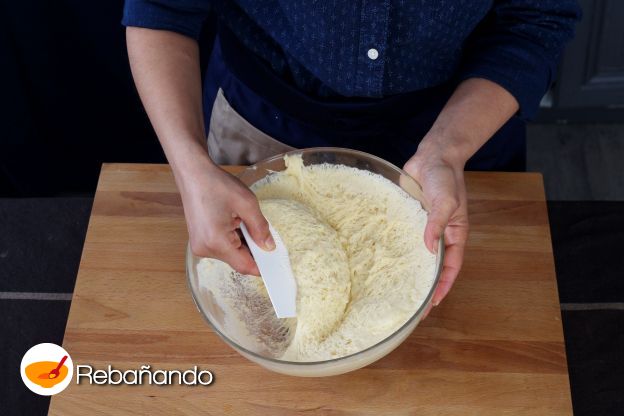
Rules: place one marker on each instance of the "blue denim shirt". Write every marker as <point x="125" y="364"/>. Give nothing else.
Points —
<point x="382" y="48"/>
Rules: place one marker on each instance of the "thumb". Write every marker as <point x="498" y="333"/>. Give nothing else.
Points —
<point x="256" y="224"/>
<point x="441" y="211"/>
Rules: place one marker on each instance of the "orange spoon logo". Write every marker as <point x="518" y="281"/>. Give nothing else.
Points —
<point x="42" y="374"/>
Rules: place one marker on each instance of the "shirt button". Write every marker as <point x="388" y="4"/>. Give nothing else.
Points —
<point x="373" y="53"/>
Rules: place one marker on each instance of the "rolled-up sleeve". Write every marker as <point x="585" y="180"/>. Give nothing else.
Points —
<point x="518" y="46"/>
<point x="181" y="16"/>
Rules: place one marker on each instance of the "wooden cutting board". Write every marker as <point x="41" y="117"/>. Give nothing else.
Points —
<point x="494" y="346"/>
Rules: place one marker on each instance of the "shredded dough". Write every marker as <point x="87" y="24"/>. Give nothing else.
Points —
<point x="356" y="249"/>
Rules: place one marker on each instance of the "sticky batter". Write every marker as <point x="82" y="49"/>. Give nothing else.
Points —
<point x="356" y="249"/>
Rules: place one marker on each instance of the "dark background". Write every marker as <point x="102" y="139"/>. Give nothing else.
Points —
<point x="68" y="100"/>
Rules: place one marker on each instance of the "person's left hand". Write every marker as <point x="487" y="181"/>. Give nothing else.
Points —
<point x="443" y="186"/>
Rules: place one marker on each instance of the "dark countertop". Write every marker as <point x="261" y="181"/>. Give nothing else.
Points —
<point x="41" y="242"/>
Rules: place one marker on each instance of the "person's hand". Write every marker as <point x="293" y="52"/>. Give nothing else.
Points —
<point x="215" y="203"/>
<point x="442" y="180"/>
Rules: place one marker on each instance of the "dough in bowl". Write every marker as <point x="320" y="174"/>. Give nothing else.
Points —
<point x="355" y="243"/>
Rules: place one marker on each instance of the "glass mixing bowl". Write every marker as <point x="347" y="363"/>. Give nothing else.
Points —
<point x="234" y="333"/>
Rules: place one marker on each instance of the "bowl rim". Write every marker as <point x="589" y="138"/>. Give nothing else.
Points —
<point x="439" y="265"/>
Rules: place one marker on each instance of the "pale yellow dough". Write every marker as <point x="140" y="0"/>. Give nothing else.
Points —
<point x="356" y="249"/>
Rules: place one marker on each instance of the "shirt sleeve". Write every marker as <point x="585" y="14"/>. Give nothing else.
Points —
<point x="518" y="46"/>
<point x="181" y="16"/>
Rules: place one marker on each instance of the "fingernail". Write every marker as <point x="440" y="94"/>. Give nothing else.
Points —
<point x="436" y="302"/>
<point x="269" y="243"/>
<point x="436" y="243"/>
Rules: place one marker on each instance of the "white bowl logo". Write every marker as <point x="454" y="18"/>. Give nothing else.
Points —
<point x="47" y="369"/>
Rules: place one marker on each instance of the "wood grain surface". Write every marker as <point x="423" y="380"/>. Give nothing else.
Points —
<point x="493" y="347"/>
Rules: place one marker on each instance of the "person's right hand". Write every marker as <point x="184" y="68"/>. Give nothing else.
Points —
<point x="215" y="203"/>
<point x="166" y="70"/>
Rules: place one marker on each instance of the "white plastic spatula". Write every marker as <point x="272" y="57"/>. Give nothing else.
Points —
<point x="276" y="273"/>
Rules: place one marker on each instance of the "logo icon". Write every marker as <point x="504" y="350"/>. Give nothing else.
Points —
<point x="47" y="369"/>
